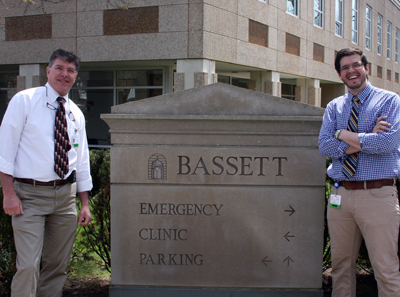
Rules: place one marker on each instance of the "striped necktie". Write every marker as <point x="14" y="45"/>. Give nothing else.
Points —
<point x="350" y="163"/>
<point x="61" y="141"/>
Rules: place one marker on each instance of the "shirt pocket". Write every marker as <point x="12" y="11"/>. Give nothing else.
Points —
<point x="73" y="134"/>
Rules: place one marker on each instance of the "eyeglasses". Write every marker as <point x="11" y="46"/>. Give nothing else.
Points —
<point x="61" y="69"/>
<point x="356" y="65"/>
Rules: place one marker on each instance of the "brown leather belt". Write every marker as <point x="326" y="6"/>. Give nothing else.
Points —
<point x="52" y="183"/>
<point x="367" y="184"/>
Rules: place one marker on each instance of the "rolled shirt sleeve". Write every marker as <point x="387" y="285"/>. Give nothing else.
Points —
<point x="384" y="142"/>
<point x="328" y="145"/>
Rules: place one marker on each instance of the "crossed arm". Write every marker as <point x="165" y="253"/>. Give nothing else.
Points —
<point x="351" y="138"/>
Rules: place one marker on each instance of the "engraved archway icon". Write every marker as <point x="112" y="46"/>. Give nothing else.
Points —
<point x="157" y="167"/>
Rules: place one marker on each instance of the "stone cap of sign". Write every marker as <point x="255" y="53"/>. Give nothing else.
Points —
<point x="218" y="99"/>
<point x="215" y="114"/>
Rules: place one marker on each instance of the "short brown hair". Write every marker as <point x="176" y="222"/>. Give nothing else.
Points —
<point x="349" y="52"/>
<point x="65" y="55"/>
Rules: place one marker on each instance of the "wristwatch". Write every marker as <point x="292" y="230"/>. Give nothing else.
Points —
<point x="336" y="135"/>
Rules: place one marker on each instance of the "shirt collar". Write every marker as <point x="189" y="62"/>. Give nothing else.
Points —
<point x="363" y="95"/>
<point x="52" y="95"/>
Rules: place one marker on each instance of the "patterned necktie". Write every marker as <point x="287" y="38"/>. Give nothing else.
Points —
<point x="61" y="141"/>
<point x="350" y="163"/>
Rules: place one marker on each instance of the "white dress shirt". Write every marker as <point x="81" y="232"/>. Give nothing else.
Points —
<point x="27" y="138"/>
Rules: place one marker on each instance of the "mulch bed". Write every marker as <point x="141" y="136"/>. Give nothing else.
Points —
<point x="86" y="286"/>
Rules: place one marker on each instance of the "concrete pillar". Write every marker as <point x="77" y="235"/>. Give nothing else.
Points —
<point x="267" y="82"/>
<point x="308" y="91"/>
<point x="31" y="76"/>
<point x="194" y="73"/>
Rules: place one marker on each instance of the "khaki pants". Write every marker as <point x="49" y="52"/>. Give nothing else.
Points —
<point x="44" y="237"/>
<point x="374" y="215"/>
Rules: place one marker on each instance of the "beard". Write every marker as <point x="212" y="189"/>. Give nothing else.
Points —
<point x="361" y="84"/>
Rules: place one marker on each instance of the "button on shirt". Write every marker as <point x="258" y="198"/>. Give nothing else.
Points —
<point x="27" y="138"/>
<point x="380" y="154"/>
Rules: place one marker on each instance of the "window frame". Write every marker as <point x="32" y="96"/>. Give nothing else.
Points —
<point x="339" y="22"/>
<point x="319" y="9"/>
<point x="380" y="35"/>
<point x="296" y="9"/>
<point x="113" y="89"/>
<point x="8" y="90"/>
<point x="397" y="45"/>
<point x="389" y="41"/>
<point x="355" y="6"/>
<point x="368" y="27"/>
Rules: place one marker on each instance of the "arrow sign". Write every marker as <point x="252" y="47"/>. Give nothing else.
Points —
<point x="265" y="261"/>
<point x="291" y="210"/>
<point x="287" y="236"/>
<point x="288" y="259"/>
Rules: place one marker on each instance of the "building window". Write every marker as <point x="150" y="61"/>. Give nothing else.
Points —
<point x="8" y="88"/>
<point x="339" y="18"/>
<point x="396" y="58"/>
<point x="96" y="91"/>
<point x="242" y="82"/>
<point x="318" y="53"/>
<point x="28" y="27"/>
<point x="389" y="40"/>
<point x="292" y="44"/>
<point x="368" y="27"/>
<point x="389" y="75"/>
<point x="379" y="71"/>
<point x="137" y="20"/>
<point x="396" y="77"/>
<point x="292" y="7"/>
<point x="288" y="89"/>
<point x="319" y="13"/>
<point x="354" y="22"/>
<point x="379" y="49"/>
<point x="258" y="33"/>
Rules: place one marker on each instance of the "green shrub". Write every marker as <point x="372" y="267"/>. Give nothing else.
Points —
<point x="98" y="231"/>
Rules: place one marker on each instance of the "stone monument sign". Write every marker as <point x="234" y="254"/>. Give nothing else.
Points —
<point x="216" y="191"/>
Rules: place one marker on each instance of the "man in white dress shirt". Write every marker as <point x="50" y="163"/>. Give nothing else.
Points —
<point x="41" y="203"/>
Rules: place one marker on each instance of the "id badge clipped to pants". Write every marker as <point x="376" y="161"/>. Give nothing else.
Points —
<point x="335" y="199"/>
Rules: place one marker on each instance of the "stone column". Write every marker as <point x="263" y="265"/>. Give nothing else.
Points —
<point x="308" y="91"/>
<point x="194" y="73"/>
<point x="31" y="76"/>
<point x="267" y="82"/>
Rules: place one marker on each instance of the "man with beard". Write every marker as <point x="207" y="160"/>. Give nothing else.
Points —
<point x="361" y="133"/>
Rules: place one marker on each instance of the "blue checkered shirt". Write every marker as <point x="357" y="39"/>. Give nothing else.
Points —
<point x="380" y="153"/>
